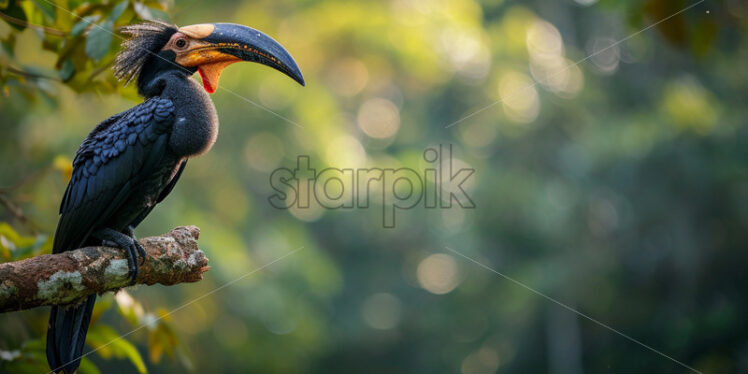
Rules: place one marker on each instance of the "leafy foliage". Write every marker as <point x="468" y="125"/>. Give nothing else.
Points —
<point x="14" y="246"/>
<point x="106" y="342"/>
<point x="82" y="36"/>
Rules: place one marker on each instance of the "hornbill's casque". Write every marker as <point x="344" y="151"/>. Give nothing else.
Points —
<point x="132" y="160"/>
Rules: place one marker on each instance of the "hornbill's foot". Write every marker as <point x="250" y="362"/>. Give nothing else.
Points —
<point x="132" y="248"/>
<point x="130" y="231"/>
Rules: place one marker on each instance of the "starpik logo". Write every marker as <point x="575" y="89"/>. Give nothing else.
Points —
<point x="437" y="186"/>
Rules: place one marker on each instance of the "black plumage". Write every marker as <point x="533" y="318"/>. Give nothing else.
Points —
<point x="120" y="172"/>
<point x="108" y="165"/>
<point x="126" y="165"/>
<point x="145" y="38"/>
<point x="131" y="161"/>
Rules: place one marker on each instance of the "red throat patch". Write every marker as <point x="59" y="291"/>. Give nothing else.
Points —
<point x="209" y="88"/>
<point x="210" y="73"/>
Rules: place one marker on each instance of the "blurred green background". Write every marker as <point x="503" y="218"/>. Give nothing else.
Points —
<point x="618" y="186"/>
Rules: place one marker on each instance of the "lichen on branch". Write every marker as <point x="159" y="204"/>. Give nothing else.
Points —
<point x="68" y="277"/>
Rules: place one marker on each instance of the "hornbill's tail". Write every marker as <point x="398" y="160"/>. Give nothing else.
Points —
<point x="66" y="334"/>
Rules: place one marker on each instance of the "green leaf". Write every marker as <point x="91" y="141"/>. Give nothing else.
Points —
<point x="150" y="13"/>
<point x="34" y="345"/>
<point x="14" y="246"/>
<point x="128" y="307"/>
<point x="14" y="10"/>
<point x="9" y="45"/>
<point x="118" y="10"/>
<point x="102" y="305"/>
<point x="47" y="8"/>
<point x="142" y="11"/>
<point x="31" y="249"/>
<point x="107" y="343"/>
<point x="88" y="367"/>
<point x="67" y="70"/>
<point x="129" y="351"/>
<point x="32" y="359"/>
<point x="99" y="40"/>
<point x="162" y="340"/>
<point x="83" y="24"/>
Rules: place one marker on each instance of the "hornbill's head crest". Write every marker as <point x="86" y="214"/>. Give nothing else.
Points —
<point x="207" y="48"/>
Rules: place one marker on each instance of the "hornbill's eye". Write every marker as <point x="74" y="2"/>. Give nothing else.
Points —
<point x="181" y="43"/>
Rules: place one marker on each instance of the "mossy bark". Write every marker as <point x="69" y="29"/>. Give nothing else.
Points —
<point x="69" y="277"/>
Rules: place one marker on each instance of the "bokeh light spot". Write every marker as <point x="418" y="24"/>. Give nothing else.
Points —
<point x="438" y="273"/>
<point x="381" y="311"/>
<point x="519" y="97"/>
<point x="379" y="118"/>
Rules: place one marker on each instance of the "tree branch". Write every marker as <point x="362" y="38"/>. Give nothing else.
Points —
<point x="20" y="22"/>
<point x="68" y="277"/>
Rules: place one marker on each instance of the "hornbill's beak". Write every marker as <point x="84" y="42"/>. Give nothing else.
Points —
<point x="212" y="46"/>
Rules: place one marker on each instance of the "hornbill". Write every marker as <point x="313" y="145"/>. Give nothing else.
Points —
<point x="132" y="160"/>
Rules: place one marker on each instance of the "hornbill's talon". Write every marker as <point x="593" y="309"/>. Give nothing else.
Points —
<point x="140" y="251"/>
<point x="136" y="268"/>
<point x="132" y="264"/>
<point x="130" y="231"/>
<point x="132" y="260"/>
<point x="125" y="242"/>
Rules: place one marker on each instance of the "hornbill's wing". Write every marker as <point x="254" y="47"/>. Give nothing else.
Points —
<point x="109" y="164"/>
<point x="172" y="182"/>
<point x="165" y="192"/>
